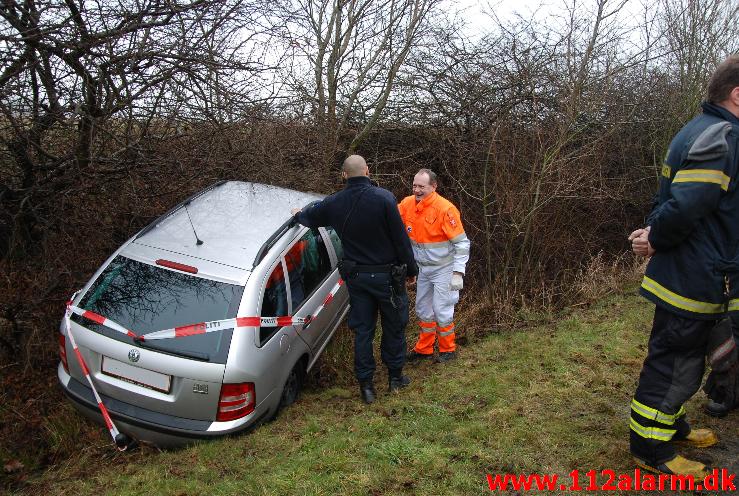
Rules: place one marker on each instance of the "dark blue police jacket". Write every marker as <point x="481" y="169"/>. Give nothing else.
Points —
<point x="695" y="224"/>
<point x="368" y="222"/>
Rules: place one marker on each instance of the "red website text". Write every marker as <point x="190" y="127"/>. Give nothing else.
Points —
<point x="609" y="480"/>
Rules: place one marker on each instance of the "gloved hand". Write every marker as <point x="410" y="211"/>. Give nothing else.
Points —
<point x="457" y="282"/>
<point x="721" y="384"/>
<point x="723" y="387"/>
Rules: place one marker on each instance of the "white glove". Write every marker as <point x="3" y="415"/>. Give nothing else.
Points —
<point x="457" y="282"/>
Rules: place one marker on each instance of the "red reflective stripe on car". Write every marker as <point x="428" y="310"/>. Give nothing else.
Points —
<point x="328" y="299"/>
<point x="248" y="321"/>
<point x="81" y="361"/>
<point x="284" y="321"/>
<point x="94" y="317"/>
<point x="189" y="330"/>
<point x="134" y="336"/>
<point x="341" y="281"/>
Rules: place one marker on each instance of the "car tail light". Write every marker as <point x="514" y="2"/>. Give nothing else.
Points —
<point x="63" y="351"/>
<point x="236" y="401"/>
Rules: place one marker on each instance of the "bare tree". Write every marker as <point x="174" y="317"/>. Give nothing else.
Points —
<point x="530" y="118"/>
<point x="352" y="51"/>
<point x="697" y="35"/>
<point x="82" y="83"/>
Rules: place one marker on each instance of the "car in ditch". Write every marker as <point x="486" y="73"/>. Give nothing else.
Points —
<point x="206" y="321"/>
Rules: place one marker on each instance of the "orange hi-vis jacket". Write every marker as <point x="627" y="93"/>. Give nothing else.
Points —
<point x="435" y="228"/>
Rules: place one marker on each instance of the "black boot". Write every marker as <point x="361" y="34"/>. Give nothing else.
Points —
<point x="716" y="409"/>
<point x="446" y="356"/>
<point x="414" y="356"/>
<point x="367" y="391"/>
<point x="397" y="380"/>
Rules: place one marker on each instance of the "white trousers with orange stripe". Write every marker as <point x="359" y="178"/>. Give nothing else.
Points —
<point x="435" y="308"/>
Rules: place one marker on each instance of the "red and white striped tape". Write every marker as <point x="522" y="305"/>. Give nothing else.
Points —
<point x="101" y="320"/>
<point x="114" y="433"/>
<point x="220" y="325"/>
<point x="212" y="326"/>
<point x="176" y="332"/>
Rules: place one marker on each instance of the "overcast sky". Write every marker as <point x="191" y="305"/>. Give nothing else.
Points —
<point x="476" y="13"/>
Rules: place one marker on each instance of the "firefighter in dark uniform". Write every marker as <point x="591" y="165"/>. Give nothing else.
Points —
<point x="376" y="247"/>
<point x="692" y="234"/>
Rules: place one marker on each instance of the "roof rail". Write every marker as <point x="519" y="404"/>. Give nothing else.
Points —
<point x="177" y="207"/>
<point x="276" y="235"/>
<point x="272" y="239"/>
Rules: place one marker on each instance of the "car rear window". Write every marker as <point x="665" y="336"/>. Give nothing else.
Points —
<point x="146" y="298"/>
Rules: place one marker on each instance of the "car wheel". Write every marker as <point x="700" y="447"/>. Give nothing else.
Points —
<point x="291" y="389"/>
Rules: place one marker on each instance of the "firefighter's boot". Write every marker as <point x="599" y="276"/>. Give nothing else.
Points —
<point x="677" y="466"/>
<point x="698" y="438"/>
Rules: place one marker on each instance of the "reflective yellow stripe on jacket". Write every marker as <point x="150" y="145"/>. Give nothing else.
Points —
<point x="680" y="301"/>
<point x="703" y="176"/>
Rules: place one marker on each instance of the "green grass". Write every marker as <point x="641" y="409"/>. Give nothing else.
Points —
<point x="549" y="398"/>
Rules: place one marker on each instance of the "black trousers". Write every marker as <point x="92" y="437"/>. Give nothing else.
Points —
<point x="368" y="293"/>
<point x="671" y="374"/>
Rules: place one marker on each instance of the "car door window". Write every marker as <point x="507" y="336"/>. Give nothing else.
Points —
<point x="274" y="301"/>
<point x="308" y="264"/>
<point x="338" y="249"/>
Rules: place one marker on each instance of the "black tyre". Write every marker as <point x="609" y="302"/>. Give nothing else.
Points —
<point x="291" y="390"/>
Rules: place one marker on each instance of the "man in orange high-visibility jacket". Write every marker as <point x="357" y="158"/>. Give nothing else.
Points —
<point x="441" y="249"/>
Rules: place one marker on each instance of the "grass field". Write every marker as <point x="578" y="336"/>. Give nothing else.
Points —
<point x="549" y="396"/>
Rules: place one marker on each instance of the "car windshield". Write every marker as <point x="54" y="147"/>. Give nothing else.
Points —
<point x="146" y="298"/>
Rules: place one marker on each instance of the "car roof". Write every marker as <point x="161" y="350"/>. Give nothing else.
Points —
<point x="233" y="219"/>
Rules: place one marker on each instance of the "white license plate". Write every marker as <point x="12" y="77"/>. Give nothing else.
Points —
<point x="136" y="375"/>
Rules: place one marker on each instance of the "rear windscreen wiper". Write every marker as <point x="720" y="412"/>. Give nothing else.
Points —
<point x="185" y="353"/>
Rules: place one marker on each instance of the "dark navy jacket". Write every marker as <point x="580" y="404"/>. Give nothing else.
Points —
<point x="695" y="224"/>
<point x="374" y="233"/>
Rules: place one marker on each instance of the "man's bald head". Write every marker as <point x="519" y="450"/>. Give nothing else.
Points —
<point x="355" y="166"/>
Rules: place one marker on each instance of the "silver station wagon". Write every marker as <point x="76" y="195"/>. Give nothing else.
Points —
<point x="206" y="321"/>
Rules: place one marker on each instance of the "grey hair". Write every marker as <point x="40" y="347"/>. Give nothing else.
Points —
<point x="431" y="174"/>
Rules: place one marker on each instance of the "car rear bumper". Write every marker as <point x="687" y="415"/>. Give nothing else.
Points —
<point x="165" y="431"/>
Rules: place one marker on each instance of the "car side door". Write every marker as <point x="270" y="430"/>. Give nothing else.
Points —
<point x="311" y="276"/>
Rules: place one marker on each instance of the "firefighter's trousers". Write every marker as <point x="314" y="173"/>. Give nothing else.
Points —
<point x="435" y="308"/>
<point x="671" y="374"/>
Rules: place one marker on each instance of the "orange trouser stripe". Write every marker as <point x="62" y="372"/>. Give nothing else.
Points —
<point x="427" y="325"/>
<point x="446" y="338"/>
<point x="446" y="329"/>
